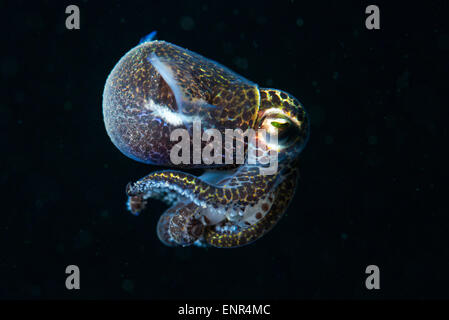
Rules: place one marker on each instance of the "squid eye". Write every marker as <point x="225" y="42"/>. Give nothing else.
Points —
<point x="280" y="123"/>
<point x="286" y="130"/>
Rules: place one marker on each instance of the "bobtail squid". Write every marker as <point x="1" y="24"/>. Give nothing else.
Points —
<point x="158" y="87"/>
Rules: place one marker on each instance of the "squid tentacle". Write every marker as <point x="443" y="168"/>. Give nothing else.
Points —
<point x="283" y="195"/>
<point x="244" y="188"/>
<point x="182" y="224"/>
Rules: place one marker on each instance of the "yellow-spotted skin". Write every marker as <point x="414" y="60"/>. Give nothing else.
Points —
<point x="158" y="87"/>
<point x="160" y="75"/>
<point x="283" y="196"/>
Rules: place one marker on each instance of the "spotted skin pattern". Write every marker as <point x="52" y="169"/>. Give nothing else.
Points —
<point x="282" y="198"/>
<point x="204" y="88"/>
<point x="158" y="87"/>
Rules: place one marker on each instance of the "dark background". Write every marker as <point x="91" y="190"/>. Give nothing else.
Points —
<point x="371" y="178"/>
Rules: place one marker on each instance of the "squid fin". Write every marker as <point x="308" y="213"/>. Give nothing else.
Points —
<point x="149" y="37"/>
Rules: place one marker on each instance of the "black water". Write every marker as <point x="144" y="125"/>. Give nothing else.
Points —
<point x="372" y="175"/>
